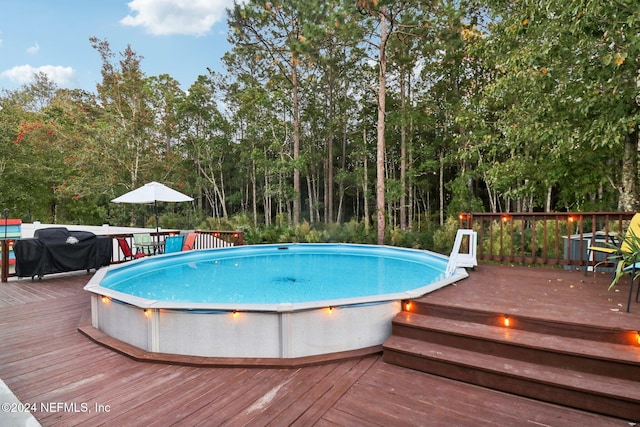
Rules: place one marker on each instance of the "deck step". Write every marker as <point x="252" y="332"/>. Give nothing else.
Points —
<point x="591" y="392"/>
<point x="604" y="358"/>
<point x="593" y="369"/>
<point x="546" y="326"/>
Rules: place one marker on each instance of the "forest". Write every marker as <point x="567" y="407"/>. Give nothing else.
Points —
<point x="342" y="118"/>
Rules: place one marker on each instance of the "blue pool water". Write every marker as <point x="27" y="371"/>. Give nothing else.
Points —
<point x="275" y="274"/>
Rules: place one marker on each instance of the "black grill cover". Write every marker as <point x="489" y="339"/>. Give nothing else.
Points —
<point x="58" y="250"/>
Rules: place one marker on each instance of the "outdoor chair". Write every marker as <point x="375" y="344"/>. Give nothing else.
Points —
<point x="126" y="250"/>
<point x="633" y="270"/>
<point x="615" y="245"/>
<point x="189" y="242"/>
<point x="143" y="243"/>
<point x="626" y="256"/>
<point x="173" y="244"/>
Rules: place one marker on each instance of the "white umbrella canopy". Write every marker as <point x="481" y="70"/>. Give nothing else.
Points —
<point x="152" y="192"/>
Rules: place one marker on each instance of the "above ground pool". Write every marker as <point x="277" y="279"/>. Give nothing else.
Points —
<point x="263" y="301"/>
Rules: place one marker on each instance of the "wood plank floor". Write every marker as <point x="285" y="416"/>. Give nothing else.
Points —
<point x="71" y="380"/>
<point x="549" y="293"/>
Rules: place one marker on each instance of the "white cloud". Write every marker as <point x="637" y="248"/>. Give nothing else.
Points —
<point x="166" y="17"/>
<point x="22" y="74"/>
<point x="33" y="49"/>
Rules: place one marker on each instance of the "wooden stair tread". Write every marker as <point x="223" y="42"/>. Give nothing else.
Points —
<point x="592" y="383"/>
<point x="552" y="326"/>
<point x="560" y="344"/>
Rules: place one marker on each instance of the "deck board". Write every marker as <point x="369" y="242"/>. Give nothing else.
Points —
<point x="332" y="391"/>
<point x="44" y="359"/>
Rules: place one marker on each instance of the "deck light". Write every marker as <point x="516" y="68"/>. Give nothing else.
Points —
<point x="506" y="322"/>
<point x="235" y="314"/>
<point x="147" y="312"/>
<point x="330" y="309"/>
<point x="105" y="299"/>
<point x="407" y="305"/>
<point x="574" y="218"/>
<point x="638" y="336"/>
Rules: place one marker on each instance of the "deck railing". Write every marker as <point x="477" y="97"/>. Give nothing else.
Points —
<point x="557" y="238"/>
<point x="206" y="239"/>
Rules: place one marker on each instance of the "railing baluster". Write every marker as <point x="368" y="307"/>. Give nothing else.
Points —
<point x="564" y="242"/>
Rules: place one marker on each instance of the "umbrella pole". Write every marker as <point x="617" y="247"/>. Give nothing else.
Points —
<point x="157" y="238"/>
<point x="155" y="210"/>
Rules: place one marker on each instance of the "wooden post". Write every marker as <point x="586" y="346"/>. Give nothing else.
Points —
<point x="5" y="260"/>
<point x="5" y="249"/>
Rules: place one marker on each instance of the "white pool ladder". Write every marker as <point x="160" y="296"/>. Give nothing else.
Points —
<point x="463" y="259"/>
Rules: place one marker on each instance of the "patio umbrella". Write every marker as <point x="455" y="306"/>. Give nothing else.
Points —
<point x="153" y="192"/>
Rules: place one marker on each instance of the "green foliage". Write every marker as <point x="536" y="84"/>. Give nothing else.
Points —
<point x="412" y="239"/>
<point x="175" y="221"/>
<point x="461" y="198"/>
<point x="554" y="242"/>
<point x="444" y="238"/>
<point x="501" y="241"/>
<point x="561" y="100"/>
<point x="627" y="255"/>
<point x="350" y="232"/>
<point x="513" y="237"/>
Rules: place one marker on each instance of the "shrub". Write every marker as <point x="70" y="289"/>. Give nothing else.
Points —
<point x="444" y="237"/>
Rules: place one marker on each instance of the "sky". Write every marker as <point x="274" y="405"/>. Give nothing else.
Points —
<point x="181" y="38"/>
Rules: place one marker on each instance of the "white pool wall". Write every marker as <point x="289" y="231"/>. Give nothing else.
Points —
<point x="251" y="334"/>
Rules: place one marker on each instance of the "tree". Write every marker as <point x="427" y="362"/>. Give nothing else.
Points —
<point x="127" y="121"/>
<point x="335" y="53"/>
<point x="47" y="152"/>
<point x="388" y="15"/>
<point x="565" y="89"/>
<point x="273" y="31"/>
<point x="206" y="140"/>
<point x="30" y="163"/>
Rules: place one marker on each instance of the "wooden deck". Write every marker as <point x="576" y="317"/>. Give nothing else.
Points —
<point x="71" y="380"/>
